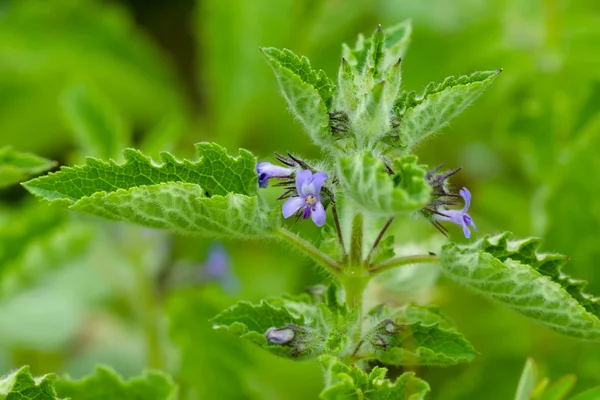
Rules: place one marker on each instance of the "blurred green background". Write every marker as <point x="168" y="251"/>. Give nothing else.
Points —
<point x="75" y="291"/>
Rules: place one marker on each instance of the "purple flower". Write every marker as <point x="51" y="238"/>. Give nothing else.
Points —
<point x="308" y="187"/>
<point x="460" y="217"/>
<point x="218" y="268"/>
<point x="266" y="170"/>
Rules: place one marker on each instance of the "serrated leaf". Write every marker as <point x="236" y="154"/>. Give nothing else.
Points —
<point x="214" y="195"/>
<point x="251" y="322"/>
<point x="396" y="43"/>
<point x="96" y="125"/>
<point x="15" y="167"/>
<point x="514" y="274"/>
<point x="420" y="117"/>
<point x="215" y="171"/>
<point x="367" y="182"/>
<point x="350" y="382"/>
<point x="106" y="384"/>
<point x="421" y="344"/>
<point x="307" y="91"/>
<point x="182" y="208"/>
<point x="22" y="385"/>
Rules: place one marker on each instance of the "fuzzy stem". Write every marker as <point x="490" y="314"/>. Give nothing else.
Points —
<point x="338" y="229"/>
<point x="399" y="261"/>
<point x="356" y="241"/>
<point x="379" y="237"/>
<point x="308" y="249"/>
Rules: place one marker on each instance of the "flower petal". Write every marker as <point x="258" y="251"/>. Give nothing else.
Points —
<point x="318" y="179"/>
<point x="303" y="180"/>
<point x="291" y="206"/>
<point x="267" y="170"/>
<point x="466" y="230"/>
<point x="466" y="195"/>
<point x="318" y="214"/>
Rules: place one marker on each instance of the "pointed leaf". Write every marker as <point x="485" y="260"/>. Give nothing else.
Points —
<point x="106" y="384"/>
<point x="528" y="381"/>
<point x="252" y="322"/>
<point x="22" y="385"/>
<point x="15" y="167"/>
<point x="214" y="195"/>
<point x="307" y="91"/>
<point x="367" y="182"/>
<point x="182" y="208"/>
<point x="396" y="43"/>
<point x="514" y="274"/>
<point x="419" y="117"/>
<point x="559" y="389"/>
<point x="215" y="171"/>
<point x="350" y="382"/>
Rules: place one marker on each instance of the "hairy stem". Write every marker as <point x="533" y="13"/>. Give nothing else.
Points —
<point x="308" y="249"/>
<point x="356" y="241"/>
<point x="338" y="229"/>
<point x="379" y="237"/>
<point x="399" y="261"/>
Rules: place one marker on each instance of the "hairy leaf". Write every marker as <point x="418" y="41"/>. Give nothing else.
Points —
<point x="396" y="43"/>
<point x="419" y="117"/>
<point x="96" y="125"/>
<point x="307" y="91"/>
<point x="106" y="384"/>
<point x="368" y="182"/>
<point x="214" y="195"/>
<point x="15" y="167"/>
<point x="350" y="382"/>
<point x="252" y="322"/>
<point x="215" y="171"/>
<point x="22" y="385"/>
<point x="182" y="208"/>
<point x="514" y="274"/>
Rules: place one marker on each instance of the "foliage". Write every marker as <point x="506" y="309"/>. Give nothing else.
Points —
<point x="88" y="79"/>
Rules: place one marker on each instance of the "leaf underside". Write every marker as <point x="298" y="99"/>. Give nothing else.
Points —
<point x="514" y="274"/>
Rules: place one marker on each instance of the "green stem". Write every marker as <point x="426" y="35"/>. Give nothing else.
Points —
<point x="379" y="237"/>
<point x="338" y="229"/>
<point x="356" y="241"/>
<point x="399" y="261"/>
<point x="308" y="249"/>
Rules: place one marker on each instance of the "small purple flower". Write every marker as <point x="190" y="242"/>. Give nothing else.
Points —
<point x="218" y="268"/>
<point x="266" y="170"/>
<point x="308" y="187"/>
<point x="460" y="217"/>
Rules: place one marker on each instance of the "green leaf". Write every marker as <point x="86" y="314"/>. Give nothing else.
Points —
<point x="22" y="385"/>
<point x="414" y="335"/>
<point x="559" y="389"/>
<point x="215" y="171"/>
<point x="420" y="117"/>
<point x="367" y="182"/>
<point x="214" y="195"/>
<point x="591" y="394"/>
<point x="350" y="382"/>
<point x="15" y="167"/>
<point x="182" y="208"/>
<point x="514" y="274"/>
<point x="308" y="92"/>
<point x="421" y="344"/>
<point x="106" y="384"/>
<point x="528" y="381"/>
<point x="396" y="43"/>
<point x="96" y="125"/>
<point x="251" y="322"/>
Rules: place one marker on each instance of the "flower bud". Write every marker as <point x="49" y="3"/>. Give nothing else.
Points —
<point x="280" y="335"/>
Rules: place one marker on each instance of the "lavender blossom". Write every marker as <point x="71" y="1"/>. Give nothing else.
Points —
<point x="218" y="268"/>
<point x="460" y="217"/>
<point x="266" y="170"/>
<point x="308" y="187"/>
